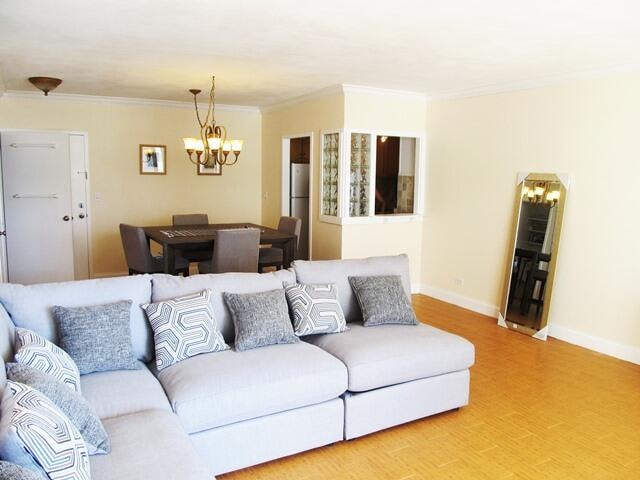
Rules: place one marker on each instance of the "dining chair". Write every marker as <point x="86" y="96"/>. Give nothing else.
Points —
<point x="191" y="219"/>
<point x="197" y="252"/>
<point x="138" y="254"/>
<point x="234" y="250"/>
<point x="274" y="256"/>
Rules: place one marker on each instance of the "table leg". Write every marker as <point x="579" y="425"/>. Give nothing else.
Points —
<point x="169" y="259"/>
<point x="288" y="252"/>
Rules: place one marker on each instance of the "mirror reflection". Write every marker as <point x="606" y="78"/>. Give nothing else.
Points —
<point x="534" y="252"/>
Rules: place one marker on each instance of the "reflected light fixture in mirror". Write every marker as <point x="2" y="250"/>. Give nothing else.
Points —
<point x="533" y="253"/>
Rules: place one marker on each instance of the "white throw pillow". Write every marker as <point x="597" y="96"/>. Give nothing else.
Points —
<point x="38" y="352"/>
<point x="36" y="435"/>
<point x="183" y="327"/>
<point x="315" y="309"/>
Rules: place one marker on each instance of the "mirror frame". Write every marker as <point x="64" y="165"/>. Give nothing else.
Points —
<point x="563" y="179"/>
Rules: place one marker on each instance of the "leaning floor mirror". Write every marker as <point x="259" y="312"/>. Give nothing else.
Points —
<point x="535" y="241"/>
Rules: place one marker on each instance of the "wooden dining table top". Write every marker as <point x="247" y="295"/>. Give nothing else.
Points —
<point x="185" y="234"/>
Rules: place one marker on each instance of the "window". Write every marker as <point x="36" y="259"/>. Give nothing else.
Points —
<point x="370" y="177"/>
<point x="330" y="167"/>
<point x="395" y="175"/>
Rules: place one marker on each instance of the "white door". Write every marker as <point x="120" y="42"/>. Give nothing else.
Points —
<point x="39" y="213"/>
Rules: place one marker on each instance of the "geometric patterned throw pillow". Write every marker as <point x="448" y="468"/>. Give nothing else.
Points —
<point x="38" y="352"/>
<point x="37" y="435"/>
<point x="183" y="327"/>
<point x="315" y="309"/>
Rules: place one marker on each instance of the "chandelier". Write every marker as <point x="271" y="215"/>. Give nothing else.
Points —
<point x="541" y="192"/>
<point x="212" y="147"/>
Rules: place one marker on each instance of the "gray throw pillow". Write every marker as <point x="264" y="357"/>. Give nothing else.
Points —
<point x="71" y="403"/>
<point x="11" y="471"/>
<point x="382" y="300"/>
<point x="260" y="319"/>
<point x="98" y="338"/>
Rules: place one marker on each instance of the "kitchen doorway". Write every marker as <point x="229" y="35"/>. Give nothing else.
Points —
<point x="297" y="167"/>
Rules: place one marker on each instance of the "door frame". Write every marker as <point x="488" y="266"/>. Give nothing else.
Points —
<point x="285" y="181"/>
<point x="3" y="239"/>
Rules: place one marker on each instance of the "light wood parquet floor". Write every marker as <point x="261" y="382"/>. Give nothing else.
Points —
<point x="538" y="410"/>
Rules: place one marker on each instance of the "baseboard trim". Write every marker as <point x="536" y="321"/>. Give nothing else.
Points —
<point x="597" y="344"/>
<point x="460" y="300"/>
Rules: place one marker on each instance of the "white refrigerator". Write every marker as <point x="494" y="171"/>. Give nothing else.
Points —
<point x="299" y="204"/>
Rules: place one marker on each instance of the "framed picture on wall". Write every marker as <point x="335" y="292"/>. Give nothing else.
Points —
<point x="210" y="169"/>
<point x="153" y="159"/>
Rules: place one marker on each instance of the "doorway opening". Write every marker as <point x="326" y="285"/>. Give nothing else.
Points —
<point x="296" y="189"/>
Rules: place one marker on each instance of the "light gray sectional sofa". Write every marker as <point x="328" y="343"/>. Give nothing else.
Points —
<point x="218" y="412"/>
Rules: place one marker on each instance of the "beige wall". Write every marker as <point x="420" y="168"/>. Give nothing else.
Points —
<point x="314" y="115"/>
<point x="389" y="114"/>
<point x="115" y="132"/>
<point x="477" y="146"/>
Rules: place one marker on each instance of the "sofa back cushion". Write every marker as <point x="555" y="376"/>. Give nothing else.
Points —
<point x="339" y="271"/>
<point x="166" y="287"/>
<point x="30" y="306"/>
<point x="7" y="332"/>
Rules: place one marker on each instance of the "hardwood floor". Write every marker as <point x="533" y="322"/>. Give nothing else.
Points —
<point x="538" y="410"/>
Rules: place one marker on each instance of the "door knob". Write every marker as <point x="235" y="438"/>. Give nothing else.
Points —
<point x="81" y="215"/>
<point x="66" y="218"/>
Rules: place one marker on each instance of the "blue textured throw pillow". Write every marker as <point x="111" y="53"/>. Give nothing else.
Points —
<point x="98" y="338"/>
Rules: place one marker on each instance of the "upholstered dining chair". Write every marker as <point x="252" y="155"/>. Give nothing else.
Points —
<point x="191" y="219"/>
<point x="234" y="250"/>
<point x="274" y="256"/>
<point x="138" y="254"/>
<point x="197" y="252"/>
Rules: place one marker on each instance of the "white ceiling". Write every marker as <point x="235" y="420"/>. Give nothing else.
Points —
<point x="263" y="52"/>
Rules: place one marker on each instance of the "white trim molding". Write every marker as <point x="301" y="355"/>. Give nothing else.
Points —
<point x="597" y="344"/>
<point x="70" y="97"/>
<point x="461" y="301"/>
<point x="621" y="351"/>
<point x="344" y="89"/>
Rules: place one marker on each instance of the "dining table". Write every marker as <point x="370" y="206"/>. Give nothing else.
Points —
<point x="173" y="238"/>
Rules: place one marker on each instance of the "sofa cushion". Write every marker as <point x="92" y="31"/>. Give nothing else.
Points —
<point x="260" y="319"/>
<point x="30" y="306"/>
<point x="37" y="352"/>
<point x="184" y="327"/>
<point x="166" y="287"/>
<point x="71" y="403"/>
<point x="217" y="389"/>
<point x="382" y="300"/>
<point x="11" y="471"/>
<point x="315" y="309"/>
<point x="339" y="271"/>
<point x="35" y="434"/>
<point x="149" y="444"/>
<point x="121" y="392"/>
<point x="389" y="354"/>
<point x="98" y="338"/>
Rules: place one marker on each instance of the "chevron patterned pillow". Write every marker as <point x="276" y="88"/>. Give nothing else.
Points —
<point x="38" y="352"/>
<point x="315" y="309"/>
<point x="38" y="436"/>
<point x="184" y="327"/>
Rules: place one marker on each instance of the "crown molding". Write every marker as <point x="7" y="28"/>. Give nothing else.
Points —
<point x="547" y="81"/>
<point x="345" y="88"/>
<point x="323" y="92"/>
<point x="76" y="98"/>
<point x="384" y="92"/>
